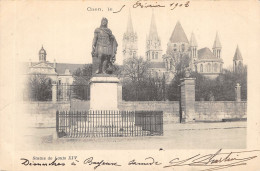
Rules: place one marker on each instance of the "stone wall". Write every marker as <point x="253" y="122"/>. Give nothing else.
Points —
<point x="46" y="107"/>
<point x="43" y="114"/>
<point x="170" y="108"/>
<point x="218" y="110"/>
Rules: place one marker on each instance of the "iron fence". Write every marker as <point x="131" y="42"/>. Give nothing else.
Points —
<point x="75" y="124"/>
<point x="67" y="92"/>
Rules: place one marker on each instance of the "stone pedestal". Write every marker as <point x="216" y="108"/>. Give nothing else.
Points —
<point x="188" y="99"/>
<point x="104" y="93"/>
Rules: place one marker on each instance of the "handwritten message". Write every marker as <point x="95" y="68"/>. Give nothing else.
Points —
<point x="215" y="161"/>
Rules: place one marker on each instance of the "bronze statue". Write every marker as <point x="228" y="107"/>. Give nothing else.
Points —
<point x="104" y="49"/>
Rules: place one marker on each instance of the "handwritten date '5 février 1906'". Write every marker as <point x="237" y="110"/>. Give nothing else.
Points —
<point x="142" y="4"/>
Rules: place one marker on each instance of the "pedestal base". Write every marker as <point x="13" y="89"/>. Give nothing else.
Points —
<point x="104" y="93"/>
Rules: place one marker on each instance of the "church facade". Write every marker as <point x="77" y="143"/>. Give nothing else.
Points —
<point x="61" y="73"/>
<point x="206" y="61"/>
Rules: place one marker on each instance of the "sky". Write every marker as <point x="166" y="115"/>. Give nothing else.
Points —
<point x="66" y="28"/>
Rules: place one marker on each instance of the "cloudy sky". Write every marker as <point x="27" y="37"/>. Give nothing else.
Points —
<point x="66" y="29"/>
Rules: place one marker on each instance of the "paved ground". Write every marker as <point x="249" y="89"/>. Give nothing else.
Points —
<point x="176" y="136"/>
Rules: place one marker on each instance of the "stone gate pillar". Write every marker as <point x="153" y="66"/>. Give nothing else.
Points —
<point x="54" y="92"/>
<point x="238" y="92"/>
<point x="119" y="93"/>
<point x="188" y="99"/>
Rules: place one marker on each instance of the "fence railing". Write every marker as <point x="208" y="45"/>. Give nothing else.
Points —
<point x="67" y="92"/>
<point x="75" y="124"/>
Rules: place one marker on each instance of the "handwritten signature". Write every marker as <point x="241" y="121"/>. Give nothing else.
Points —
<point x="217" y="160"/>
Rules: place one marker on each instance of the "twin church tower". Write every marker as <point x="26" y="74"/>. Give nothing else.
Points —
<point x="153" y="42"/>
<point x="207" y="62"/>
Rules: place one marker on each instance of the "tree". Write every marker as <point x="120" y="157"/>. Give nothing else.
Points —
<point x="39" y="87"/>
<point x="182" y="62"/>
<point x="138" y="83"/>
<point x="220" y="89"/>
<point x="134" y="72"/>
<point x="80" y="87"/>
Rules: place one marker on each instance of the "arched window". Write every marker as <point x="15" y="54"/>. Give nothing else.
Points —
<point x="175" y="48"/>
<point x="201" y="68"/>
<point x="209" y="67"/>
<point x="170" y="64"/>
<point x="156" y="55"/>
<point x="182" y="47"/>
<point x="195" y="68"/>
<point x="240" y="65"/>
<point x="153" y="55"/>
<point x="215" y="67"/>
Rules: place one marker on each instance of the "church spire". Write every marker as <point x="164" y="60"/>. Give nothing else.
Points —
<point x="153" y="29"/>
<point x="178" y="34"/>
<point x="237" y="61"/>
<point x="193" y="41"/>
<point x="130" y="48"/>
<point x="217" y="43"/>
<point x="237" y="55"/>
<point x="217" y="47"/>
<point x="129" y="28"/>
<point x="193" y="48"/>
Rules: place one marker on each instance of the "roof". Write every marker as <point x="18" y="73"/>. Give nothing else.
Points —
<point x="178" y="34"/>
<point x="217" y="43"/>
<point x="237" y="55"/>
<point x="205" y="53"/>
<point x="193" y="41"/>
<point x="61" y="67"/>
<point x="153" y="29"/>
<point x="157" y="65"/>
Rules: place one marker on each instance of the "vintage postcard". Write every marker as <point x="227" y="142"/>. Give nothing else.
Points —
<point x="130" y="85"/>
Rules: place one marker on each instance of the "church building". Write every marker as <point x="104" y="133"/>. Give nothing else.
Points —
<point x="130" y="46"/>
<point x="154" y="51"/>
<point x="203" y="60"/>
<point x="61" y="73"/>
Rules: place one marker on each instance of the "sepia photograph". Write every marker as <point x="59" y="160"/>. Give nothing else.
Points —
<point x="129" y="85"/>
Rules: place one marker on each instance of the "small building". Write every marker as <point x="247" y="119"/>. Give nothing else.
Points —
<point x="57" y="72"/>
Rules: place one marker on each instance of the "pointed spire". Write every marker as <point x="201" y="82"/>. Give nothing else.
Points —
<point x="153" y="29"/>
<point x="129" y="24"/>
<point x="237" y="55"/>
<point x="217" y="43"/>
<point x="193" y="41"/>
<point x="178" y="34"/>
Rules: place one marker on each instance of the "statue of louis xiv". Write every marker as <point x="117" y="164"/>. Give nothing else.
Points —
<point x="104" y="48"/>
